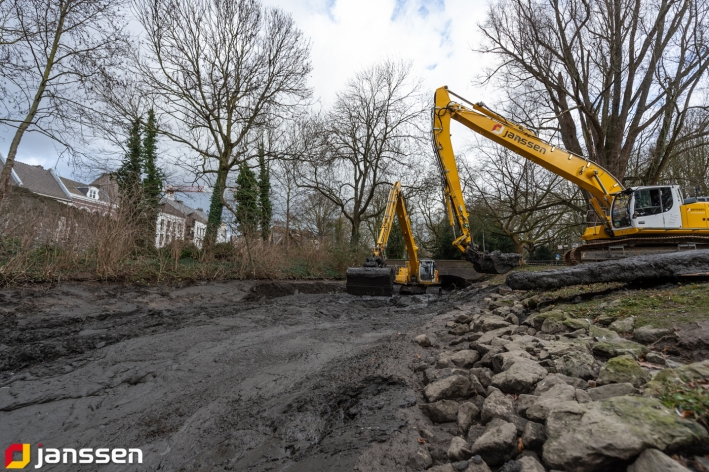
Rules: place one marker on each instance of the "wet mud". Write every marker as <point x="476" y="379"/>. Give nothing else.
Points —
<point x="221" y="376"/>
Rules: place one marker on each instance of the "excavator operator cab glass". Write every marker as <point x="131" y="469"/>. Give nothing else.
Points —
<point x="427" y="270"/>
<point x="648" y="202"/>
<point x="620" y="214"/>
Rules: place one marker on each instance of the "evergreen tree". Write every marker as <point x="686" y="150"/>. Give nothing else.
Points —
<point x="264" y="183"/>
<point x="248" y="214"/>
<point x="128" y="175"/>
<point x="396" y="245"/>
<point x="152" y="183"/>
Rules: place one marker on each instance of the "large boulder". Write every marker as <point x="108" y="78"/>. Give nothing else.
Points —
<point x="520" y="377"/>
<point x="488" y="323"/>
<point x="455" y="386"/>
<point x="530" y="464"/>
<point x="497" y="405"/>
<point x="652" y="460"/>
<point x="553" y="326"/>
<point x="598" y="435"/>
<point x="537" y="320"/>
<point x="534" y="435"/>
<point x="465" y="358"/>
<point x="623" y="325"/>
<point x="549" y="400"/>
<point x="602" y="334"/>
<point x="576" y="364"/>
<point x="623" y="369"/>
<point x="495" y="333"/>
<point x="618" y="347"/>
<point x="442" y="411"/>
<point x="686" y="373"/>
<point x="575" y="323"/>
<point x="498" y="443"/>
<point x="649" y="334"/>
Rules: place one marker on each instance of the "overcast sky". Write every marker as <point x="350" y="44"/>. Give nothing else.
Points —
<point x="348" y="35"/>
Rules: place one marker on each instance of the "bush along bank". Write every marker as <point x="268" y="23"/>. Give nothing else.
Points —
<point x="508" y="387"/>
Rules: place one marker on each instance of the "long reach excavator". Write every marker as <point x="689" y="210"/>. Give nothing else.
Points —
<point x="633" y="221"/>
<point x="375" y="278"/>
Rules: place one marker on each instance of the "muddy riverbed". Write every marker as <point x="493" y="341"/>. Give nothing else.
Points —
<point x="220" y="376"/>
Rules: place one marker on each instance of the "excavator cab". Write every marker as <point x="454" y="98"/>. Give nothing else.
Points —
<point x="648" y="207"/>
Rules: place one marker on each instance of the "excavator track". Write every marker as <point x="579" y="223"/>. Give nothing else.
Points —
<point x="634" y="246"/>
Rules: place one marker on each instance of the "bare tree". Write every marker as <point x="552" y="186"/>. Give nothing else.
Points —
<point x="219" y="72"/>
<point x="608" y="72"/>
<point x="529" y="204"/>
<point x="363" y="142"/>
<point x="58" y="47"/>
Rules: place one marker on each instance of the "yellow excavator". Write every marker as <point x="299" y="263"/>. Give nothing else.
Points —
<point x="375" y="278"/>
<point x="634" y="221"/>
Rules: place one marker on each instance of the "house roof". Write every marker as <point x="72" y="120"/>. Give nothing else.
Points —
<point x="81" y="190"/>
<point x="39" y="180"/>
<point x="182" y="209"/>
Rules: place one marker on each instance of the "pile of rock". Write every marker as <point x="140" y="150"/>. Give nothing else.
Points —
<point x="552" y="392"/>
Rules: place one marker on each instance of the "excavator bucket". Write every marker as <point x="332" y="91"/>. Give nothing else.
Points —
<point x="495" y="262"/>
<point x="375" y="281"/>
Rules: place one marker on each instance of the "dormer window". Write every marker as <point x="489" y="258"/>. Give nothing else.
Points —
<point x="92" y="193"/>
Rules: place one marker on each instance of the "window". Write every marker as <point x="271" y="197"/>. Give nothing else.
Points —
<point x="647" y="202"/>
<point x="621" y="211"/>
<point x="667" y="199"/>
<point x="93" y="193"/>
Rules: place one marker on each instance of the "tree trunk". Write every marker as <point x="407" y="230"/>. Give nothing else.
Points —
<point x="215" y="209"/>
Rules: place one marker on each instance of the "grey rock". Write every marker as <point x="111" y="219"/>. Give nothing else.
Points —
<point x="443" y="411"/>
<point x="510" y="466"/>
<point x="623" y="325"/>
<point x="504" y="360"/>
<point x="599" y="435"/>
<point x="497" y="405"/>
<point x="619" y="347"/>
<point x="576" y="364"/>
<point x="520" y="377"/>
<point x="623" y="369"/>
<point x="530" y="464"/>
<point x="612" y="390"/>
<point x="483" y="374"/>
<point x="498" y="444"/>
<point x="442" y="468"/>
<point x="549" y="400"/>
<point x="656" y="358"/>
<point x="548" y="382"/>
<point x="462" y="465"/>
<point x="455" y="386"/>
<point x="489" y="323"/>
<point x="465" y="358"/>
<point x="582" y="396"/>
<point x="553" y="326"/>
<point x="474" y="432"/>
<point x="463" y="318"/>
<point x="459" y="449"/>
<point x="512" y="319"/>
<point x="474" y="466"/>
<point x="419" y="460"/>
<point x="423" y="340"/>
<point x="476" y="387"/>
<point x="652" y="460"/>
<point x="495" y="333"/>
<point x="649" y="334"/>
<point x="467" y="413"/>
<point x="525" y="401"/>
<point x="534" y="435"/>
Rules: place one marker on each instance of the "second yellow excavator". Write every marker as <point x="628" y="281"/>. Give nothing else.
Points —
<point x="375" y="278"/>
<point x="634" y="221"/>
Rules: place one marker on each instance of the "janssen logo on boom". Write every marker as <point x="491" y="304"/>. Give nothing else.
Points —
<point x="69" y="456"/>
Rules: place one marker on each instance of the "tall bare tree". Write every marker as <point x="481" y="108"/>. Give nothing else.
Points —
<point x="372" y="132"/>
<point x="219" y="72"/>
<point x="610" y="73"/>
<point x="58" y="47"/>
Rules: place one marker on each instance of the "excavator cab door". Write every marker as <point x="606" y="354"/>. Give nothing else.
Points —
<point x="427" y="270"/>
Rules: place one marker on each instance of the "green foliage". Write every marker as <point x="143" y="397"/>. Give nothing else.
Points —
<point x="542" y="253"/>
<point x="152" y="183"/>
<point x="248" y="214"/>
<point x="690" y="399"/>
<point x="396" y="246"/>
<point x="264" y="183"/>
<point x="442" y="247"/>
<point x="128" y="175"/>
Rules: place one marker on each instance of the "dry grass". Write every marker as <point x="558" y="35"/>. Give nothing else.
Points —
<point x="45" y="241"/>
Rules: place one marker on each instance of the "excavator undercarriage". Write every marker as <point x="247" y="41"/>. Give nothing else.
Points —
<point x="620" y="248"/>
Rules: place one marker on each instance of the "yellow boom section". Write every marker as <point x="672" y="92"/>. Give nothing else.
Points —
<point x="396" y="206"/>
<point x="582" y="172"/>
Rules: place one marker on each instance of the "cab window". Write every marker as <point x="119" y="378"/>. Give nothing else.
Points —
<point x="667" y="199"/>
<point x="620" y="213"/>
<point x="647" y="202"/>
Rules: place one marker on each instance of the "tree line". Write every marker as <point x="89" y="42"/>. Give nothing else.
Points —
<point x="223" y="86"/>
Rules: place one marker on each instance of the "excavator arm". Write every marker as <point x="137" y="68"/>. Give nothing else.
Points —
<point x="375" y="278"/>
<point x="600" y="184"/>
